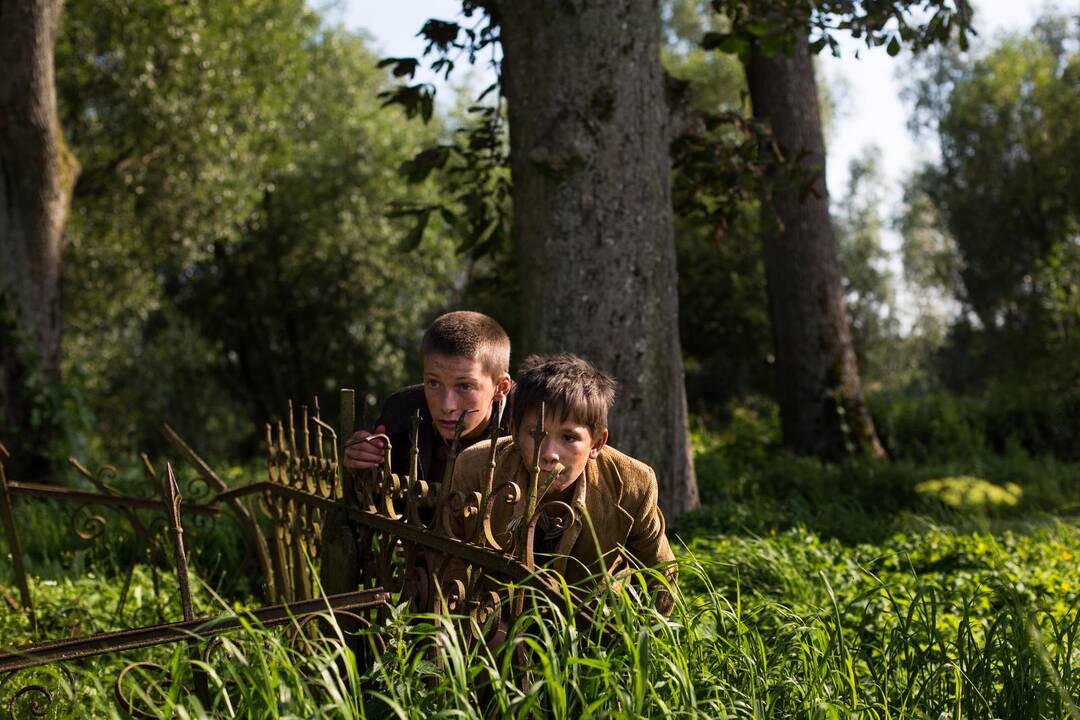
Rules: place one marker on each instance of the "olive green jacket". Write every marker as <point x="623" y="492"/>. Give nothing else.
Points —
<point x="617" y="517"/>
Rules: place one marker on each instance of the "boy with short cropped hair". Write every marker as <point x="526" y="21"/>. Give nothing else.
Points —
<point x="614" y="496"/>
<point x="466" y="359"/>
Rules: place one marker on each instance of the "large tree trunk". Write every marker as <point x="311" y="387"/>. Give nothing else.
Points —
<point x="37" y="175"/>
<point x="589" y="136"/>
<point x="822" y="409"/>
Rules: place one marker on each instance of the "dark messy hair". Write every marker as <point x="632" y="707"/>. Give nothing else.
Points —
<point x="468" y="334"/>
<point x="569" y="387"/>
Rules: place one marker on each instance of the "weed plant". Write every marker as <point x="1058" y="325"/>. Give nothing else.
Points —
<point x="806" y="591"/>
<point x="936" y="625"/>
<point x="750" y="484"/>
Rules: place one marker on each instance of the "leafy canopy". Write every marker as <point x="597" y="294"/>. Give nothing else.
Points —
<point x="229" y="241"/>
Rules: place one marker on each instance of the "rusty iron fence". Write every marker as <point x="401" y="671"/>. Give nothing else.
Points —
<point x="387" y="536"/>
<point x="37" y="699"/>
<point x="88" y="514"/>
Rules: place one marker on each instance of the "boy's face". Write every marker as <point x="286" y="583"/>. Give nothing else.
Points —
<point x="567" y="442"/>
<point x="453" y="384"/>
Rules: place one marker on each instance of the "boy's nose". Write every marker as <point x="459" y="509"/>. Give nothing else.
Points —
<point x="548" y="452"/>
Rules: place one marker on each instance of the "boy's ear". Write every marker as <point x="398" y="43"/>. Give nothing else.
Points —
<point x="502" y="385"/>
<point x="601" y="441"/>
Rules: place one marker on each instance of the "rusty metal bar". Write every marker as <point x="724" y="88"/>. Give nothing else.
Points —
<point x="493" y="439"/>
<point x="55" y="492"/>
<point x="306" y="437"/>
<point x="292" y="428"/>
<point x="137" y="525"/>
<point x="246" y="515"/>
<point x="301" y="583"/>
<point x="316" y="418"/>
<point x="414" y="446"/>
<point x="172" y="490"/>
<point x="151" y="473"/>
<point x="282" y="490"/>
<point x="488" y="559"/>
<point x="339" y="568"/>
<point x="8" y="519"/>
<point x="201" y="628"/>
<point x="177" y="529"/>
<point x="108" y="497"/>
<point x="348" y="426"/>
<point x="275" y="515"/>
<point x="531" y="499"/>
<point x="451" y="461"/>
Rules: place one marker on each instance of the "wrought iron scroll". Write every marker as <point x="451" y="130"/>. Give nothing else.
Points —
<point x="88" y="520"/>
<point x="307" y="465"/>
<point x="72" y="649"/>
<point x="92" y="527"/>
<point x="37" y="698"/>
<point x="411" y="532"/>
<point x="241" y="508"/>
<point x="34" y="692"/>
<point x="408" y="533"/>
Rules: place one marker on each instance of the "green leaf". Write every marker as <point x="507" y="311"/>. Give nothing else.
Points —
<point x="487" y="91"/>
<point x="402" y="66"/>
<point x="440" y="34"/>
<point x="420" y="166"/>
<point x="412" y="241"/>
<point x="725" y="42"/>
<point x="893" y="47"/>
<point x="416" y="99"/>
<point x="757" y="29"/>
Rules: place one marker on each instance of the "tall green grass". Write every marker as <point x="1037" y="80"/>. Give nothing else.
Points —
<point x="806" y="591"/>
<point x="937" y="625"/>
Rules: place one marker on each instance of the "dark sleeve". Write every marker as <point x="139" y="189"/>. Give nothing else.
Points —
<point x="396" y="416"/>
<point x="398" y="410"/>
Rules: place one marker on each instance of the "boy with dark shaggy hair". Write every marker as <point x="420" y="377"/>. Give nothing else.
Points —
<point x="614" y="496"/>
<point x="466" y="359"/>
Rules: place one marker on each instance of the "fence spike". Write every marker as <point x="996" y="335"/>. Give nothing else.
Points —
<point x="292" y="428"/>
<point x="318" y="429"/>
<point x="306" y="452"/>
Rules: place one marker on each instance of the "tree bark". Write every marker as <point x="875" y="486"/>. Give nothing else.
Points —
<point x="37" y="175"/>
<point x="822" y="408"/>
<point x="589" y="137"/>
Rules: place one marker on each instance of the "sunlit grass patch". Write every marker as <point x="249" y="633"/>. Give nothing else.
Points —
<point x="969" y="493"/>
<point x="968" y="625"/>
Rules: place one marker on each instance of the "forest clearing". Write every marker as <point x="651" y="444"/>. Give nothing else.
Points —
<point x="860" y="416"/>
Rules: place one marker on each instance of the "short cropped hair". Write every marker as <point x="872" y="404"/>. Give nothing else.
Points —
<point x="471" y="335"/>
<point x="568" y="386"/>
